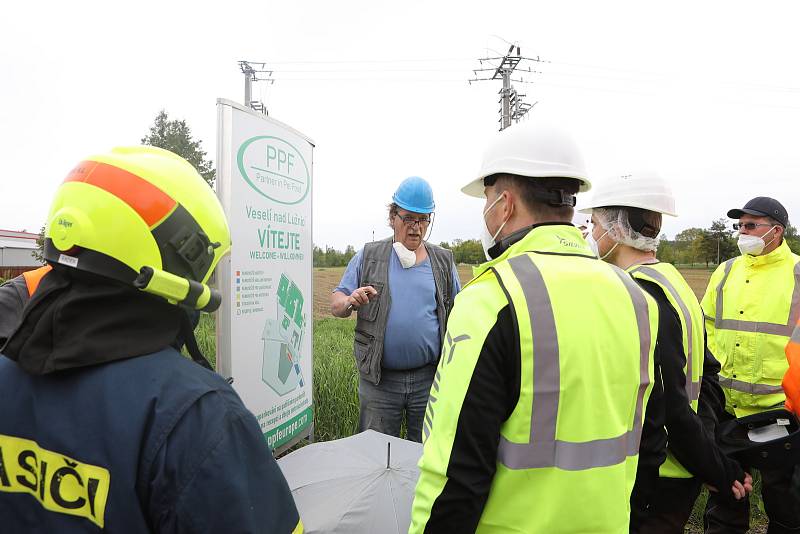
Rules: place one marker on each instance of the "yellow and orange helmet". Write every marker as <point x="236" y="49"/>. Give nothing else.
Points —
<point x="143" y="216"/>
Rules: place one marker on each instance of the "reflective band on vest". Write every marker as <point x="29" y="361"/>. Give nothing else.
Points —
<point x="692" y="387"/>
<point x="755" y="326"/>
<point x="747" y="387"/>
<point x="680" y="297"/>
<point x="796" y="335"/>
<point x="544" y="449"/>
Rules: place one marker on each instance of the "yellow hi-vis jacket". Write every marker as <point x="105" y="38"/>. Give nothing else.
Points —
<point x="751" y="305"/>
<point x="690" y="314"/>
<point x="567" y="455"/>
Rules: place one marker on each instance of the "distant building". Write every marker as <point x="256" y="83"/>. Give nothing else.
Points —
<point x="16" y="253"/>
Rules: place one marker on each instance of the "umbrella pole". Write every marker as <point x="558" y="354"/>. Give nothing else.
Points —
<point x="388" y="453"/>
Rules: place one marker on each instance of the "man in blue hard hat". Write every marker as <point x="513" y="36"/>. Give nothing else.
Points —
<point x="402" y="289"/>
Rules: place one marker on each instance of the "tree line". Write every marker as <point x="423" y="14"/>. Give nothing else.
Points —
<point x="693" y="246"/>
<point x="464" y="251"/>
<point x="710" y="246"/>
<point x="330" y="257"/>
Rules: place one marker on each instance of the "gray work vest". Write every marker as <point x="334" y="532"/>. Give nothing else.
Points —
<point x="372" y="318"/>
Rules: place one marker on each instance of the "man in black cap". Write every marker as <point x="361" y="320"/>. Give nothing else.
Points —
<point x="751" y="306"/>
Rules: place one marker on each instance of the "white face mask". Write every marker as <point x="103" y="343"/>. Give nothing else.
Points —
<point x="592" y="244"/>
<point x="408" y="258"/>
<point x="752" y="244"/>
<point x="595" y="246"/>
<point x="487" y="239"/>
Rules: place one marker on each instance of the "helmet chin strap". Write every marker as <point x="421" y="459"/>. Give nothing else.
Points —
<point x="187" y="334"/>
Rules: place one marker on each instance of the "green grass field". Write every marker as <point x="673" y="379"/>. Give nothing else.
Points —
<point x="336" y="379"/>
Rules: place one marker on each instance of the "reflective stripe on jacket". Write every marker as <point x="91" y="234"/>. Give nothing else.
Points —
<point x="688" y="309"/>
<point x="567" y="454"/>
<point x="751" y="306"/>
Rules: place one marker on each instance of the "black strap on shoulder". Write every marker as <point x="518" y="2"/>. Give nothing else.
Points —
<point x="187" y="332"/>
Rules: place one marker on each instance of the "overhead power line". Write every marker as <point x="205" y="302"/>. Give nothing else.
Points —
<point x="562" y="68"/>
<point x="255" y="71"/>
<point x="512" y="105"/>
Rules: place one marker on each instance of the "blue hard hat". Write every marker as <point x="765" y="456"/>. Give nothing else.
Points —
<point x="414" y="194"/>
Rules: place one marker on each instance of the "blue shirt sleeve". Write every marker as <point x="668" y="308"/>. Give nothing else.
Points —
<point x="352" y="275"/>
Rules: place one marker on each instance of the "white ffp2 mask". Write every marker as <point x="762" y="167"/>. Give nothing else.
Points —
<point x="752" y="244"/>
<point x="487" y="239"/>
<point x="592" y="244"/>
<point x="595" y="246"/>
<point x="408" y="258"/>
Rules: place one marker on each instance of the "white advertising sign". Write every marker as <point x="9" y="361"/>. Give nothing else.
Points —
<point x="264" y="326"/>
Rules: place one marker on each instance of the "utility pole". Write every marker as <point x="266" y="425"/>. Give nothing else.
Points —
<point x="512" y="107"/>
<point x="251" y="74"/>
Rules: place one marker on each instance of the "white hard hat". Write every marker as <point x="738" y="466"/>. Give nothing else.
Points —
<point x="533" y="149"/>
<point x="640" y="189"/>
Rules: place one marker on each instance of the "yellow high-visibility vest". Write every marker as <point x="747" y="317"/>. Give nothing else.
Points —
<point x="568" y="453"/>
<point x="685" y="303"/>
<point x="751" y="306"/>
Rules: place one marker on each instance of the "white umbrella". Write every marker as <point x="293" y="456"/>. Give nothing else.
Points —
<point x="364" y="483"/>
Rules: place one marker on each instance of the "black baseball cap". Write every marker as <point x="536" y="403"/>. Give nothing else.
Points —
<point x="762" y="207"/>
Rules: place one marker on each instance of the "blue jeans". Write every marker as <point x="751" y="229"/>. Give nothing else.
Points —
<point x="399" y="392"/>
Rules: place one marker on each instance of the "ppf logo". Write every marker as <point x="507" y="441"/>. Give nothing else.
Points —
<point x="274" y="168"/>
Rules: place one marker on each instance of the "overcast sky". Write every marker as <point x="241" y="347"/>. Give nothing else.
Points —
<point x="706" y="93"/>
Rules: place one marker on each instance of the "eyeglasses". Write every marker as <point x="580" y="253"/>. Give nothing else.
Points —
<point x="408" y="220"/>
<point x="749" y="226"/>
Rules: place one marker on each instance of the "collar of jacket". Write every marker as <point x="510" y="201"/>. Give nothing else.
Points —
<point x="783" y="252"/>
<point x="77" y="319"/>
<point x="549" y="238"/>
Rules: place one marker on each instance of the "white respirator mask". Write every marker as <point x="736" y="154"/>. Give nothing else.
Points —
<point x="595" y="246"/>
<point x="752" y="244"/>
<point x="488" y="240"/>
<point x="408" y="258"/>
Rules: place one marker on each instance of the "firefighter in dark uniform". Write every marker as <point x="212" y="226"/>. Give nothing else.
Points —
<point x="104" y="426"/>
